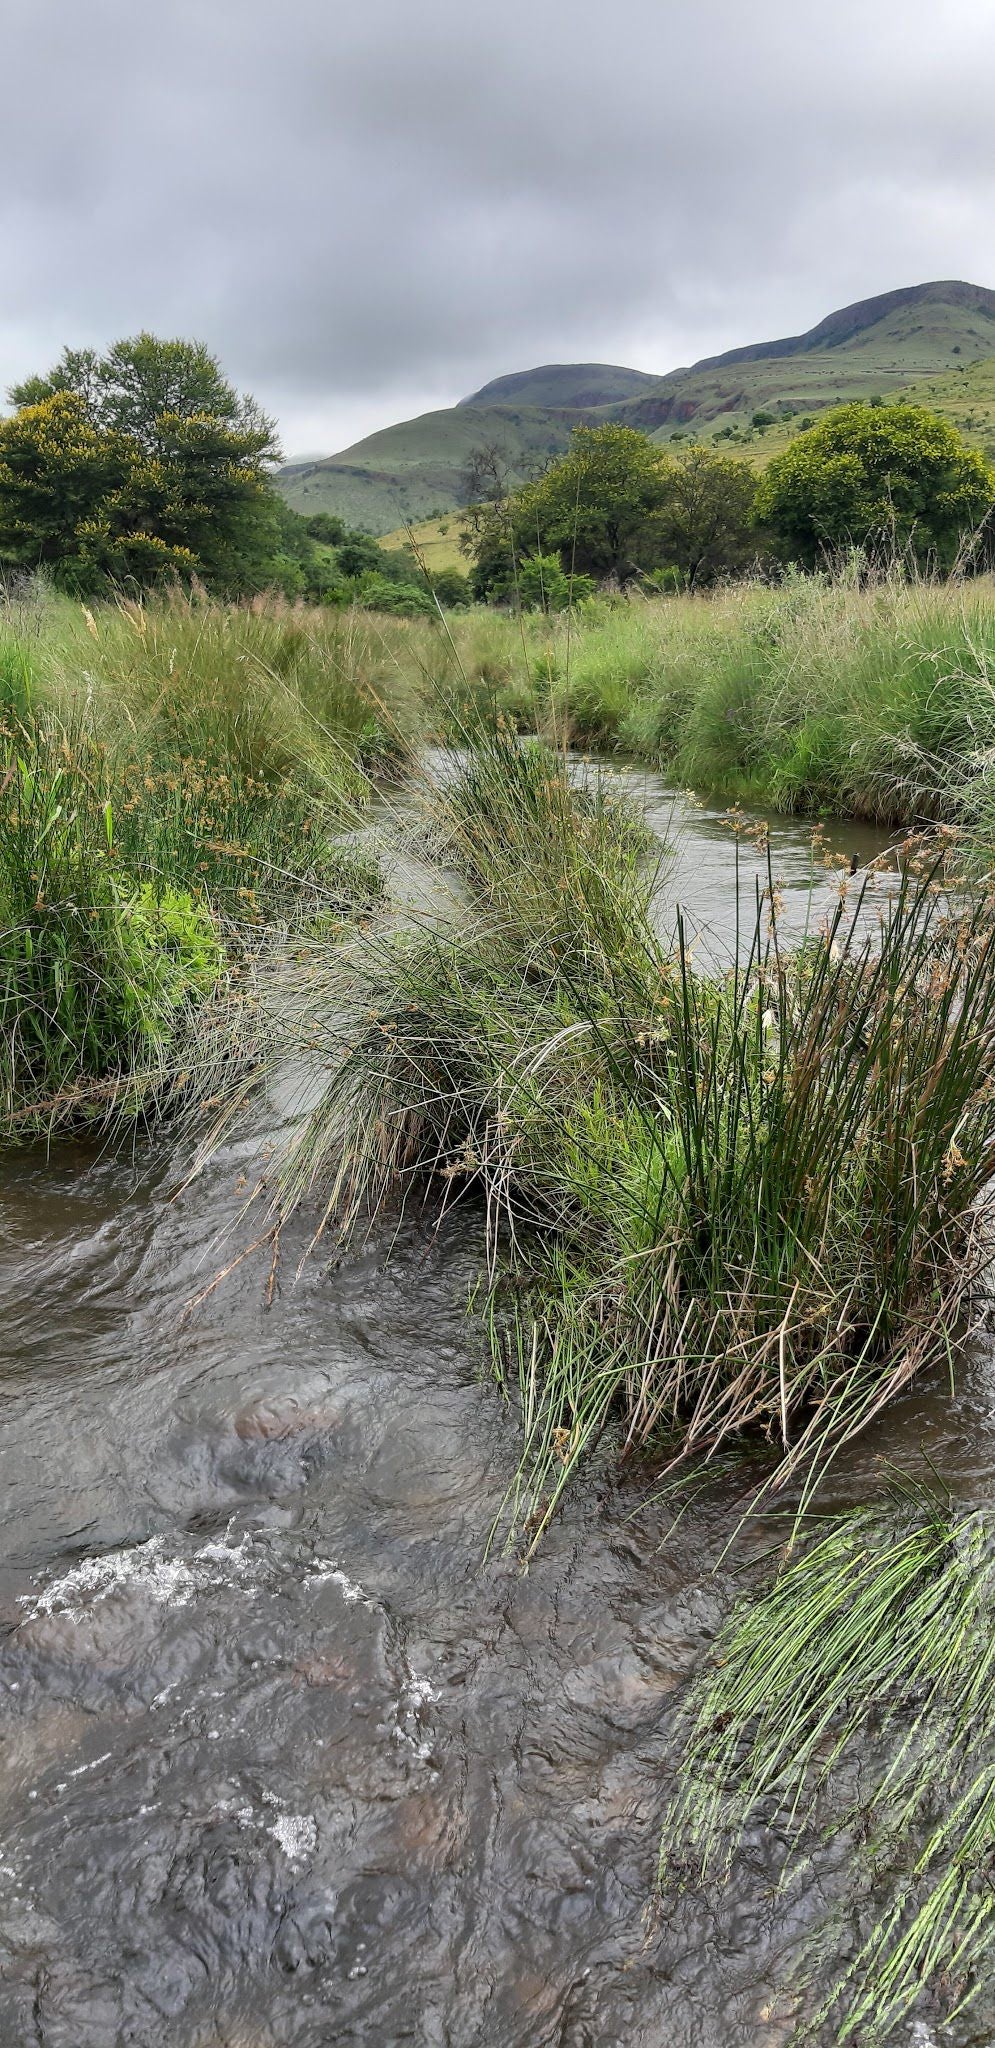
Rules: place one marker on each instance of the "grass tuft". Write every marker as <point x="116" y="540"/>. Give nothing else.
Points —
<point x="876" y="1640"/>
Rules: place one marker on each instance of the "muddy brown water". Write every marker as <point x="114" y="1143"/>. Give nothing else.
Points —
<point x="284" y="1762"/>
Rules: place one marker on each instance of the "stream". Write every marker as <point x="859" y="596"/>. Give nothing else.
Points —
<point x="284" y="1762"/>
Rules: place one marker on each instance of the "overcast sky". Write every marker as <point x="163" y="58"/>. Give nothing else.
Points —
<point x="369" y="207"/>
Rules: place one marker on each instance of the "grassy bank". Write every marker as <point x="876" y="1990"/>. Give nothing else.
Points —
<point x="177" y="782"/>
<point x="217" y="754"/>
<point x="875" y="702"/>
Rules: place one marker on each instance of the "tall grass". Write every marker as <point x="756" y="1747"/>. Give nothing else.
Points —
<point x="176" y="779"/>
<point x="877" y="1640"/>
<point x="778" y="1176"/>
<point x="865" y="697"/>
<point x="739" y="1203"/>
<point x="97" y="968"/>
<point x="424" y="1025"/>
<point x="268" y="691"/>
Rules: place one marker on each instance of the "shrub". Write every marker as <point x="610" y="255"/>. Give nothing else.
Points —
<point x="451" y="588"/>
<point x="896" y="476"/>
<point x="377" y="593"/>
<point x="543" y="586"/>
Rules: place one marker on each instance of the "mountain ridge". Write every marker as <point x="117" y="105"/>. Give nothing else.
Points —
<point x="875" y="346"/>
<point x="837" y="328"/>
<point x="574" y="386"/>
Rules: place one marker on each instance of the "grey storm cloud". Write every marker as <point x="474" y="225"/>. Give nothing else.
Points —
<point x="362" y="204"/>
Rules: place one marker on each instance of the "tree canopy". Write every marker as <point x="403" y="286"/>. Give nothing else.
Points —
<point x="615" y="507"/>
<point x="879" y="474"/>
<point x="140" y="463"/>
<point x="143" y="384"/>
<point x="706" y="526"/>
<point x="599" y="508"/>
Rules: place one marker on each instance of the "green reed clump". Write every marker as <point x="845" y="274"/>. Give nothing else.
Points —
<point x="728" y="1203"/>
<point x="428" y="1029"/>
<point x="267" y="692"/>
<point x="878" y="1637"/>
<point x="97" y="969"/>
<point x="242" y="739"/>
<point x="779" y="1174"/>
<point x="562" y="857"/>
<point x="258" y="849"/>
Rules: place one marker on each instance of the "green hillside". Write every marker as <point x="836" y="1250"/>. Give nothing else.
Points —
<point x="414" y="469"/>
<point x="897" y="340"/>
<point x="578" y="386"/>
<point x="935" y="341"/>
<point x="435" y="541"/>
<point x="964" y="395"/>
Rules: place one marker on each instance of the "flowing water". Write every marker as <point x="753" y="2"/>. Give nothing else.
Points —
<point x="284" y="1762"/>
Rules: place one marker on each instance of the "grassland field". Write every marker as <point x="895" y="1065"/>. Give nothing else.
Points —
<point x="182" y="778"/>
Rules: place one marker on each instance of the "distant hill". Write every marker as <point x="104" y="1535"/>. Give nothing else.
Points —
<point x="412" y="470"/>
<point x="876" y="346"/>
<point x="964" y="395"/>
<point x="929" y="338"/>
<point x="864" y="317"/>
<point x="587" y="386"/>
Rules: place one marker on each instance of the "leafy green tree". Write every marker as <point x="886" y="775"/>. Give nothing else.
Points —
<point x="300" y="565"/>
<point x="873" y="473"/>
<point x="69" y="500"/>
<point x="144" y="384"/>
<point x="706" y="523"/>
<point x="400" y="565"/>
<point x="599" y="508"/>
<point x="451" y="588"/>
<point x="543" y="585"/>
<point x="490" y="546"/>
<point x="325" y="527"/>
<point x="615" y="507"/>
<point x="359" y="555"/>
<point x="377" y="593"/>
<point x="136" y="465"/>
<point x="355" y="570"/>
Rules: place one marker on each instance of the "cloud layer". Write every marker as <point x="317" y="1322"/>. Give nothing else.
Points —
<point x="371" y="210"/>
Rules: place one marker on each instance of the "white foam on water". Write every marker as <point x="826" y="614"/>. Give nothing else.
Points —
<point x="297" y="1835"/>
<point x="167" y="1581"/>
<point x="92" y="1765"/>
<point x="418" y="1692"/>
<point x="329" y="1574"/>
